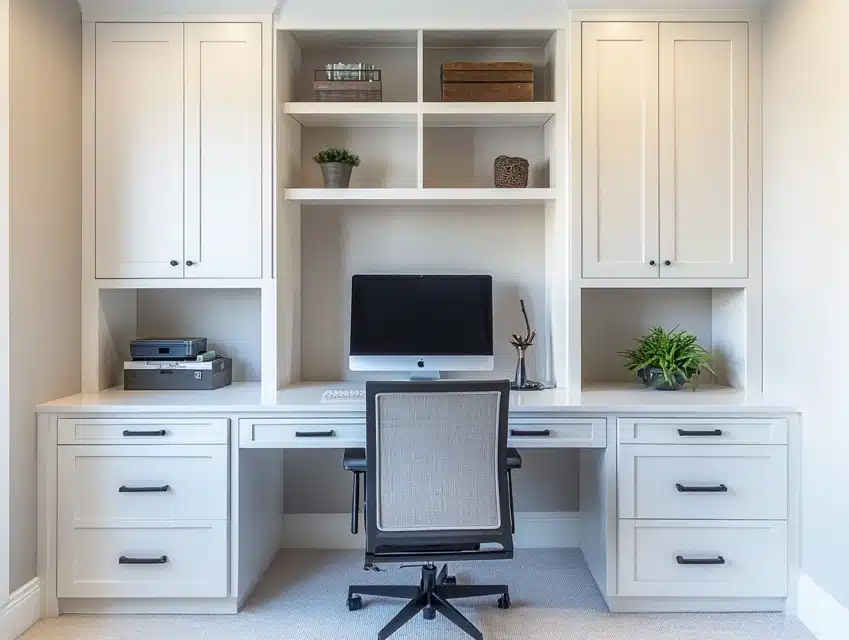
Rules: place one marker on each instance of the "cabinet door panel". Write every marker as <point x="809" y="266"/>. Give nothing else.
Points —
<point x="139" y="150"/>
<point x="704" y="191"/>
<point x="619" y="150"/>
<point x="223" y="151"/>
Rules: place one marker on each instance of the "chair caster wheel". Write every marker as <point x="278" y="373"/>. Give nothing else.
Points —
<point x="504" y="601"/>
<point x="355" y="603"/>
<point x="449" y="580"/>
<point x="429" y="613"/>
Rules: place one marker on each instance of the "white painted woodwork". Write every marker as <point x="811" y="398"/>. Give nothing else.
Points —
<point x="196" y="565"/>
<point x="619" y="89"/>
<point x="710" y="431"/>
<point x="90" y="478"/>
<point x="755" y="478"/>
<point x="704" y="143"/>
<point x="412" y="196"/>
<point x="303" y="432"/>
<point x="344" y="426"/>
<point x="139" y="150"/>
<point x="143" y="431"/>
<point x="755" y="555"/>
<point x="223" y="150"/>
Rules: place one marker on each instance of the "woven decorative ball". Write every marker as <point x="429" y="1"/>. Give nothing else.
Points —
<point x="511" y="173"/>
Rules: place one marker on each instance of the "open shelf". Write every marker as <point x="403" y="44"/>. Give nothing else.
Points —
<point x="393" y="52"/>
<point x="613" y="318"/>
<point x="487" y="114"/>
<point x="536" y="46"/>
<point x="433" y="196"/>
<point x="353" y="114"/>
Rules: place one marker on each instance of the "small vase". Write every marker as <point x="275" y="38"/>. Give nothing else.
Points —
<point x="337" y="175"/>
<point x="520" y="379"/>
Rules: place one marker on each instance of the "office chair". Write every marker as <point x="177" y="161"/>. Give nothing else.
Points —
<point x="436" y="490"/>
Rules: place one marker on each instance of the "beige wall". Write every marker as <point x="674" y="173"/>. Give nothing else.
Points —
<point x="806" y="262"/>
<point x="45" y="178"/>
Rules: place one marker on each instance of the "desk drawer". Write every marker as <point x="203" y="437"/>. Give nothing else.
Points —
<point x="702" y="430"/>
<point x="703" y="482"/>
<point x="98" y="484"/>
<point x="528" y="432"/>
<point x="185" y="561"/>
<point x="702" y="559"/>
<point x="143" y="431"/>
<point x="326" y="432"/>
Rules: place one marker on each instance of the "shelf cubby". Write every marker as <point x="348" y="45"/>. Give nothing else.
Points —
<point x="393" y="52"/>
<point x="534" y="46"/>
<point x="612" y="318"/>
<point x="463" y="157"/>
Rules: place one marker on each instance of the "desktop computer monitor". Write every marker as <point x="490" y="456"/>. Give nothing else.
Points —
<point x="421" y="324"/>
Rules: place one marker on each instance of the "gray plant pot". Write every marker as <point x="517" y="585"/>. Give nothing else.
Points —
<point x="653" y="379"/>
<point x="337" y="175"/>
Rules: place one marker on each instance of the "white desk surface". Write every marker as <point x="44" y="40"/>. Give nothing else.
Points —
<point x="306" y="398"/>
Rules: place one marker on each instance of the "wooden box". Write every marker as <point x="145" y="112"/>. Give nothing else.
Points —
<point x="487" y="82"/>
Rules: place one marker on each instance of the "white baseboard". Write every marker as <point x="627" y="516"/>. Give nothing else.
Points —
<point x="22" y="611"/>
<point x="824" y="616"/>
<point x="333" y="531"/>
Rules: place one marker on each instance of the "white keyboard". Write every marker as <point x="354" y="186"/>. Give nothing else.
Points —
<point x="343" y="395"/>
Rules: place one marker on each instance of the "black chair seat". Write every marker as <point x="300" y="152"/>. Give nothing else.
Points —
<point x="354" y="460"/>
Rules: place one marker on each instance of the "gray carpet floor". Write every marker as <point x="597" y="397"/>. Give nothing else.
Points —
<point x="302" y="597"/>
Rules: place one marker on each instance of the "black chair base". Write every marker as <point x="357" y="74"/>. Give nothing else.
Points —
<point x="430" y="597"/>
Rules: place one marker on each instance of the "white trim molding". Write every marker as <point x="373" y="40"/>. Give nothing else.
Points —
<point x="22" y="611"/>
<point x="333" y="531"/>
<point x="824" y="616"/>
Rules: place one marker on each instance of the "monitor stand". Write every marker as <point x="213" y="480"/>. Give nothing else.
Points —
<point x="424" y="375"/>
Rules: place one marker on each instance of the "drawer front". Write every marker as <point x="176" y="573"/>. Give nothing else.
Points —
<point x="143" y="431"/>
<point x="701" y="482"/>
<point x="551" y="432"/>
<point x="330" y="432"/>
<point x="186" y="561"/>
<point x="702" y="559"/>
<point x="702" y="431"/>
<point x="99" y="484"/>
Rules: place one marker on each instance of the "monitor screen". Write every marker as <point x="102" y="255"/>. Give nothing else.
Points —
<point x="400" y="315"/>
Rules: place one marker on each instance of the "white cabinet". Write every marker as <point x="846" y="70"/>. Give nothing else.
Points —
<point x="178" y="150"/>
<point x="619" y="97"/>
<point x="704" y="150"/>
<point x="143" y="507"/>
<point x="223" y="218"/>
<point x="664" y="156"/>
<point x="139" y="150"/>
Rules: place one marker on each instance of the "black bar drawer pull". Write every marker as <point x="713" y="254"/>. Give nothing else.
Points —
<point x="530" y="434"/>
<point x="702" y="561"/>
<point x="132" y="434"/>
<point x="162" y="489"/>
<point x="717" y="489"/>
<point x="700" y="434"/>
<point x="126" y="560"/>
<point x="315" y="434"/>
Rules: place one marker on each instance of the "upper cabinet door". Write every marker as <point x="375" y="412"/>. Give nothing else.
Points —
<point x="223" y="151"/>
<point x="619" y="89"/>
<point x="139" y="150"/>
<point x="704" y="170"/>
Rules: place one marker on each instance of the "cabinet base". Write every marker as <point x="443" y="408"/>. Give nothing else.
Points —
<point x="620" y="604"/>
<point x="148" y="605"/>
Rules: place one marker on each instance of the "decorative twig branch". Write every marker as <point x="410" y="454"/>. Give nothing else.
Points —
<point x="523" y="341"/>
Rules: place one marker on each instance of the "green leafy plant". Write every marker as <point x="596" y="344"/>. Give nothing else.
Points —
<point x="676" y="354"/>
<point x="335" y="154"/>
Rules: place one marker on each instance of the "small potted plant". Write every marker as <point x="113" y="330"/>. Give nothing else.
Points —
<point x="336" y="166"/>
<point x="665" y="360"/>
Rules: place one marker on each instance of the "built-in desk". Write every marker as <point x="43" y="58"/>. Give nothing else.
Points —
<point x="218" y="523"/>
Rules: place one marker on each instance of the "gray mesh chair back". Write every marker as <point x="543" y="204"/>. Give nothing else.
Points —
<point x="437" y="471"/>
